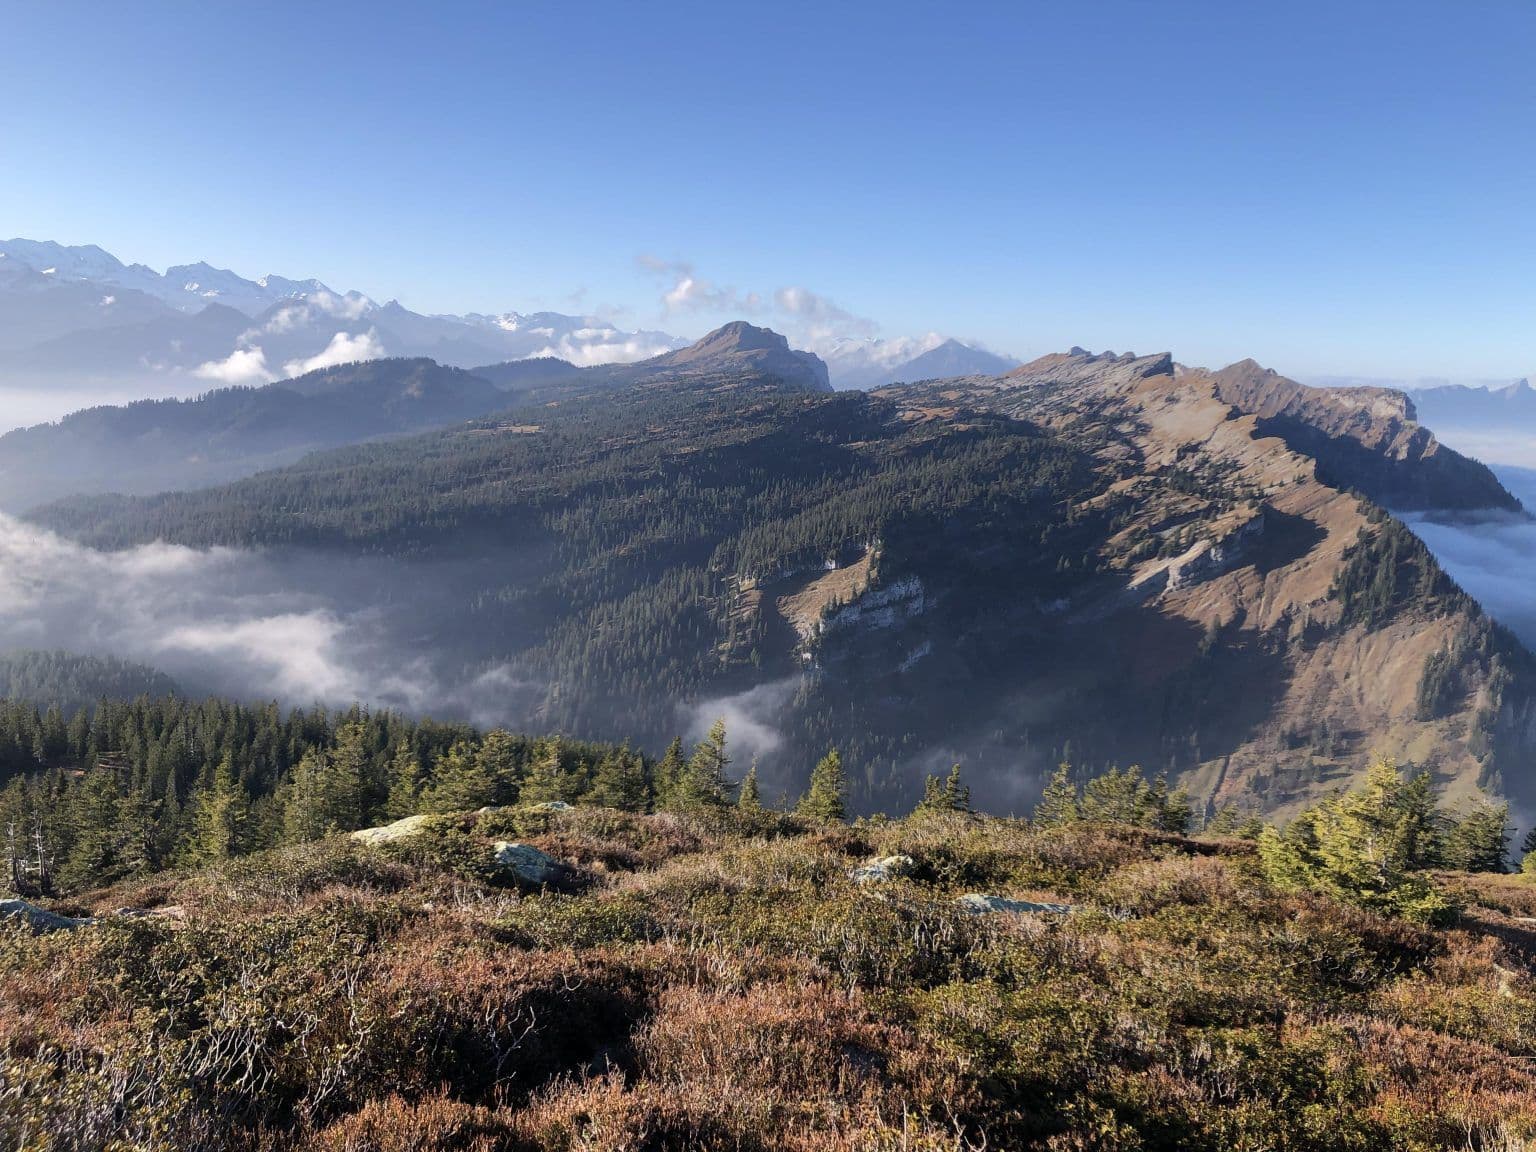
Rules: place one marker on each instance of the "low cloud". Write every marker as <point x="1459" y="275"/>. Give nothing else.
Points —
<point x="344" y="348"/>
<point x="1491" y="557"/>
<point x="754" y="722"/>
<point x="251" y="625"/>
<point x="242" y="366"/>
<point x="587" y="347"/>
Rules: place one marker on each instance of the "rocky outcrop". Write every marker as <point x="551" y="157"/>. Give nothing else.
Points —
<point x="740" y="349"/>
<point x="527" y="864"/>
<point x="389" y="833"/>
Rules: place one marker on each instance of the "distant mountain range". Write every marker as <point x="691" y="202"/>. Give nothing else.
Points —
<point x="877" y="363"/>
<point x="1506" y="408"/>
<point x="157" y="445"/>
<point x="78" y="317"/>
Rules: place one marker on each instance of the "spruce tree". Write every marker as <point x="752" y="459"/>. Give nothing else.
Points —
<point x="1477" y="841"/>
<point x="404" y="796"/>
<point x="619" y="782"/>
<point x="501" y="758"/>
<point x="825" y="798"/>
<point x="947" y="795"/>
<point x="219" y="817"/>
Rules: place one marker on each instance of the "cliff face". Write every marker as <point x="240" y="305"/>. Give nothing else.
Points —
<point x="1247" y="512"/>
<point x="1368" y="439"/>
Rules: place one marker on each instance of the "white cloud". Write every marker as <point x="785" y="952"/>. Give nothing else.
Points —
<point x="344" y="348"/>
<point x="690" y="292"/>
<point x="242" y="366"/>
<point x="821" y="312"/>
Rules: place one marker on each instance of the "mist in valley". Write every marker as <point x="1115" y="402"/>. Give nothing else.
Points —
<point x="296" y="627"/>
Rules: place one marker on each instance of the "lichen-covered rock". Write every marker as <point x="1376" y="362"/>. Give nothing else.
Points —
<point x="527" y="863"/>
<point x="551" y="806"/>
<point x="885" y="868"/>
<point x="38" y="919"/>
<point x="979" y="903"/>
<point x="399" y="830"/>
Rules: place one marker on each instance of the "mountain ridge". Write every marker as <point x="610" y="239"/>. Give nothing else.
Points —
<point x="1096" y="558"/>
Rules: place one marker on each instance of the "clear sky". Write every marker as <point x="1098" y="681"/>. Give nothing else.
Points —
<point x="1341" y="187"/>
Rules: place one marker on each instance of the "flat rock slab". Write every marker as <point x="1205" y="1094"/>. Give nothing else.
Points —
<point x="981" y="904"/>
<point x="38" y="919"/>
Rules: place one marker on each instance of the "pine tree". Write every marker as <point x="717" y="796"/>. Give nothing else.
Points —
<point x="1058" y="803"/>
<point x="825" y="799"/>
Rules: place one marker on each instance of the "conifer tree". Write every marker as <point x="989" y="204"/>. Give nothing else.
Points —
<point x="500" y="758"/>
<point x="548" y="778"/>
<point x="825" y="798"/>
<point x="1366" y="846"/>
<point x="1477" y="841"/>
<point x="749" y="798"/>
<point x="619" y="782"/>
<point x="94" y="855"/>
<point x="219" y="817"/>
<point x="460" y="782"/>
<point x="668" y="777"/>
<point x="404" y="796"/>
<point x="947" y="795"/>
<point x="1058" y="803"/>
<point x="704" y="782"/>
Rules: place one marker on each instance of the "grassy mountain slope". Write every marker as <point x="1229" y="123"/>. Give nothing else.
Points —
<point x="724" y="983"/>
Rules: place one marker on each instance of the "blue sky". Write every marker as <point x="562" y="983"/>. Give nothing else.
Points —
<point x="1328" y="187"/>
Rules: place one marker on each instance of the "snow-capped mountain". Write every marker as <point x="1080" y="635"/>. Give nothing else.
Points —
<point x="185" y="287"/>
<point x="76" y="319"/>
<point x="77" y="316"/>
